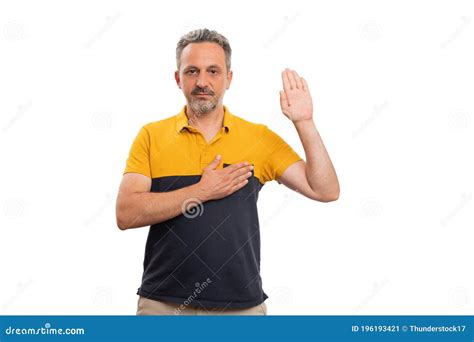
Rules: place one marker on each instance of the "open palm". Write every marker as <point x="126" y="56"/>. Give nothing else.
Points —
<point x="295" y="98"/>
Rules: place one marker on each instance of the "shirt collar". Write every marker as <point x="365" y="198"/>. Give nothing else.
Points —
<point x="182" y="120"/>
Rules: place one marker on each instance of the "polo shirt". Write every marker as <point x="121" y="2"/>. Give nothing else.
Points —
<point x="208" y="256"/>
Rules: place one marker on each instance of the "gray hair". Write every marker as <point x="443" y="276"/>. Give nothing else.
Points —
<point x="201" y="36"/>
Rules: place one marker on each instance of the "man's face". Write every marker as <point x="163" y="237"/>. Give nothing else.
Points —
<point x="203" y="76"/>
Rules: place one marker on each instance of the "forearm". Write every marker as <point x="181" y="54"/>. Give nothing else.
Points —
<point x="320" y="171"/>
<point x="146" y="208"/>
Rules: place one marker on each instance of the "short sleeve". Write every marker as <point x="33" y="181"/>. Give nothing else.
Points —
<point x="278" y="155"/>
<point x="139" y="156"/>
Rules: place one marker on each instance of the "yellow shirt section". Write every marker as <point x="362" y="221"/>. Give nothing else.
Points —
<point x="171" y="147"/>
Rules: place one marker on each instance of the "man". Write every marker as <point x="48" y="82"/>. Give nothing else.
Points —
<point x="195" y="177"/>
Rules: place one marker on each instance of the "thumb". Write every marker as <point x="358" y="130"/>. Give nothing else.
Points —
<point x="214" y="163"/>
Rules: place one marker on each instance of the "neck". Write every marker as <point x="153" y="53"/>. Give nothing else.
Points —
<point x="207" y="120"/>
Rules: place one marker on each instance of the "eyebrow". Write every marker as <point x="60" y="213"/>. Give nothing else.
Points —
<point x="209" y="67"/>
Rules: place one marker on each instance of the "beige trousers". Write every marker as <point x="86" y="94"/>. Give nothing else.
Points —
<point x="148" y="306"/>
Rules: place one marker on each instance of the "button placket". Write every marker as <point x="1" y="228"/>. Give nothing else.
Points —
<point x="207" y="156"/>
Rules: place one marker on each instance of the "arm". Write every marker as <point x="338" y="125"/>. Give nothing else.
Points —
<point x="316" y="178"/>
<point x="138" y="207"/>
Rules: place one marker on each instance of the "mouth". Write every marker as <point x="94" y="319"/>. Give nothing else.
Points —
<point x="202" y="95"/>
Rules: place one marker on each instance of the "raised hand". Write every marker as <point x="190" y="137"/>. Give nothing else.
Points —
<point x="295" y="98"/>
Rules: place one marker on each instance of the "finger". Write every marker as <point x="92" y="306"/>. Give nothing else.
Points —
<point x="286" y="81"/>
<point x="239" y="180"/>
<point x="297" y="77"/>
<point x="214" y="163"/>
<point x="291" y="78"/>
<point x="239" y="186"/>
<point x="283" y="99"/>
<point x="242" y="170"/>
<point x="234" y="167"/>
<point x="305" y="84"/>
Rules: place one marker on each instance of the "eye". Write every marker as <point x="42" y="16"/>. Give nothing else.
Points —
<point x="191" y="72"/>
<point x="213" y="71"/>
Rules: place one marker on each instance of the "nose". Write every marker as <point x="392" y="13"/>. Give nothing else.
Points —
<point x="202" y="80"/>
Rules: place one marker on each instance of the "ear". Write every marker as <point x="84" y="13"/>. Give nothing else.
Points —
<point x="230" y="73"/>
<point x="176" y="77"/>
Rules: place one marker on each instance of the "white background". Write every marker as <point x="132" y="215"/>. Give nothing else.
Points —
<point x="392" y="84"/>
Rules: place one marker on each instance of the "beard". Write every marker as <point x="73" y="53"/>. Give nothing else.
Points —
<point x="202" y="106"/>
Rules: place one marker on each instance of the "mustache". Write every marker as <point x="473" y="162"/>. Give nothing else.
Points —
<point x="198" y="91"/>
